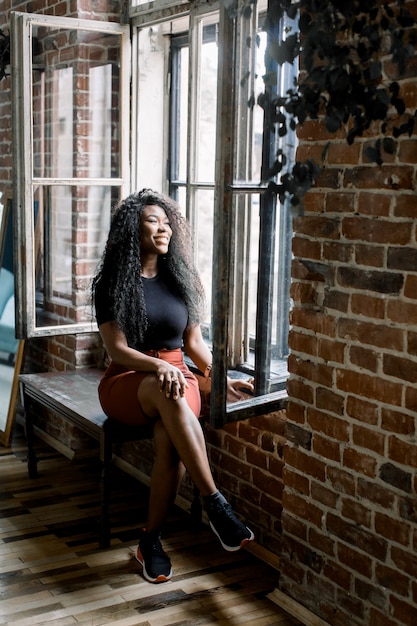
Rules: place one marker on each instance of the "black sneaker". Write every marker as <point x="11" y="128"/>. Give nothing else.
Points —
<point x="233" y="535"/>
<point x="155" y="562"/>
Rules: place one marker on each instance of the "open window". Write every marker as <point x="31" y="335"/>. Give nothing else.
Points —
<point x="71" y="146"/>
<point x="195" y="132"/>
<point x="212" y="59"/>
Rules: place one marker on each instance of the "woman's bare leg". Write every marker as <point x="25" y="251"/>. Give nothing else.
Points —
<point x="167" y="474"/>
<point x="183" y="429"/>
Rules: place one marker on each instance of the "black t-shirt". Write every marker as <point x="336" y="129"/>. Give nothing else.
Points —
<point x="166" y="312"/>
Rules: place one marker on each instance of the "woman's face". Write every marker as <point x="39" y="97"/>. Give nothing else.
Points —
<point x="156" y="231"/>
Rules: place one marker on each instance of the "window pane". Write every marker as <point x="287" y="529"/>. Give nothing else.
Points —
<point x="206" y="105"/>
<point x="151" y="122"/>
<point x="71" y="226"/>
<point x="179" y="110"/>
<point x="76" y="104"/>
<point x="204" y="201"/>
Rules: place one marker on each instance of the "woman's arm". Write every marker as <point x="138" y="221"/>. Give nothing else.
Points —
<point x="119" y="352"/>
<point x="198" y="351"/>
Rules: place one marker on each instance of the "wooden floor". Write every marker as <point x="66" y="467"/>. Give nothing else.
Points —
<point x="51" y="570"/>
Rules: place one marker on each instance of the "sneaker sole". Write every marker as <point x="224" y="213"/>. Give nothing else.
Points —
<point x="234" y="548"/>
<point x="162" y="578"/>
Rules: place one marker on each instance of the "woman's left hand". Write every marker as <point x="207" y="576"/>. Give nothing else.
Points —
<point x="236" y="389"/>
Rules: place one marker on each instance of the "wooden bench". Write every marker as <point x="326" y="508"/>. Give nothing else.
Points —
<point x="73" y="396"/>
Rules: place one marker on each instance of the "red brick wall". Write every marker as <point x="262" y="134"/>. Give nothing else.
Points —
<point x="349" y="522"/>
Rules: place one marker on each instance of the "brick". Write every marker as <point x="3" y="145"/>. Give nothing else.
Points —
<point x="341" y="480"/>
<point x="393" y="530"/>
<point x="341" y="153"/>
<point x="365" y="358"/>
<point x="293" y="525"/>
<point x="370" y="387"/>
<point x="371" y="593"/>
<point x="410" y="287"/>
<point x="355" y="560"/>
<point x="248" y="433"/>
<point x="295" y="411"/>
<point x="329" y="178"/>
<point x="314" y="201"/>
<point x="301" y="507"/>
<point x="378" y="494"/>
<point x="340" y="202"/>
<point x="302" y="461"/>
<point x="356" y="536"/>
<point x="391" y="579"/>
<point x="357" y="512"/>
<point x="268" y="442"/>
<point x="380" y="619"/>
<point x="329" y="400"/>
<point x="296" y="481"/>
<point x="397" y="422"/>
<point x="351" y="604"/>
<point x="359" y="462"/>
<point x="337" y="300"/>
<point x="306" y="248"/>
<point x="324" y="544"/>
<point x="403" y="611"/>
<point x="303" y="271"/>
<point x="400" y="367"/>
<point x="404" y="259"/>
<point x="375" y="281"/>
<point x="331" y="350"/>
<point x="405" y="205"/>
<point x="323" y="495"/>
<point x="402" y="312"/>
<point x="386" y="177"/>
<point x="309" y="151"/>
<point x="371" y="333"/>
<point x="408" y="150"/>
<point x="370" y="255"/>
<point x="298" y="435"/>
<point x="331" y="426"/>
<point x="376" y="231"/>
<point x="362" y="410"/>
<point x="302" y="343"/>
<point x="410" y="399"/>
<point x="266" y="483"/>
<point x="412" y="343"/>
<point x="368" y="306"/>
<point x="408" y="509"/>
<point x="403" y="452"/>
<point x="371" y="203"/>
<point x="316" y="372"/>
<point x="256" y="457"/>
<point x="320" y="226"/>
<point x="314" y="321"/>
<point x="303" y="293"/>
<point x="326" y="448"/>
<point x="337" y="251"/>
<point x="368" y="438"/>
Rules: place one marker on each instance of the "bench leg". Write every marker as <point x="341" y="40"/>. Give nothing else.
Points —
<point x="30" y="437"/>
<point x="106" y="451"/>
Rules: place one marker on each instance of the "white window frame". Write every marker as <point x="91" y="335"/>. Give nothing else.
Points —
<point x="25" y="183"/>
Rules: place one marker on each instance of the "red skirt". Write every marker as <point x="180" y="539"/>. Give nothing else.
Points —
<point x="118" y="389"/>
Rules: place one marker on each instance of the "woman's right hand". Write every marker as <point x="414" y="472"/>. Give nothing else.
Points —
<point x="171" y="380"/>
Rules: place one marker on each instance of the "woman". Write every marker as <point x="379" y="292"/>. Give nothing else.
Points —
<point x="149" y="302"/>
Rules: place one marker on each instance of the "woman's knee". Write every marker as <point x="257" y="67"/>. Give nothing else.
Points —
<point x="154" y="402"/>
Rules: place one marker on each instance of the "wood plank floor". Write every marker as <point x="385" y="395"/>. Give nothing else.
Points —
<point x="52" y="571"/>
